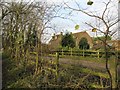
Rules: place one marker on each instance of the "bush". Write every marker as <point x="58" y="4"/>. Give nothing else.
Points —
<point x="68" y="41"/>
<point x="83" y="44"/>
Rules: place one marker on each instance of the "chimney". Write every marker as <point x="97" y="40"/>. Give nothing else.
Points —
<point x="53" y="37"/>
<point x="61" y="33"/>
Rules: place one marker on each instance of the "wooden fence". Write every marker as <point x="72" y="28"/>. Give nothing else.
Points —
<point x="35" y="58"/>
<point x="84" y="53"/>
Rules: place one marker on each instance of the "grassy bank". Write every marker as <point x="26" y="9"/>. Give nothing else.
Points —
<point x="15" y="75"/>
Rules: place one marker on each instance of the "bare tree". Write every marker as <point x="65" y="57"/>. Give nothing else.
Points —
<point x="24" y="25"/>
<point x="105" y="20"/>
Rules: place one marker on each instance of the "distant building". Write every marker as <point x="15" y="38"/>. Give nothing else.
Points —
<point x="56" y="39"/>
<point x="113" y="44"/>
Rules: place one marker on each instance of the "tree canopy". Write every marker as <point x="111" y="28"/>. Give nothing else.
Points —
<point x="102" y="38"/>
<point x="68" y="40"/>
<point x="83" y="44"/>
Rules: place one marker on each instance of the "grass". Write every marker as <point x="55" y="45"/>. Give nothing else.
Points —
<point x="82" y="58"/>
<point x="69" y="75"/>
<point x="14" y="74"/>
<point x="80" y="72"/>
<point x="80" y="69"/>
<point x="92" y="72"/>
<point x="93" y="59"/>
<point x="96" y="60"/>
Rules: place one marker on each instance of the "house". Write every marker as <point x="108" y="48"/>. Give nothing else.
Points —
<point x="115" y="44"/>
<point x="56" y="39"/>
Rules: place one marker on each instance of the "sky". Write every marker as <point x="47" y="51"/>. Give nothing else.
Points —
<point x="78" y="17"/>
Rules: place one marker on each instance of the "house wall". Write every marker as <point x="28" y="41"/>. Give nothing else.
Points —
<point x="79" y="36"/>
<point x="55" y="42"/>
<point x="114" y="43"/>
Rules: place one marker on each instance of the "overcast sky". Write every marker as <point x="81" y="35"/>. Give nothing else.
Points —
<point x="78" y="17"/>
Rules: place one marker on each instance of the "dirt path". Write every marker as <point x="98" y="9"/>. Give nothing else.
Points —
<point x="85" y="63"/>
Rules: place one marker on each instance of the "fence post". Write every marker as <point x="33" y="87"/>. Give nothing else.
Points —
<point x="98" y="54"/>
<point x="83" y="53"/>
<point x="62" y="52"/>
<point x="116" y="69"/>
<point x="71" y="51"/>
<point x="37" y="58"/>
<point x="57" y="65"/>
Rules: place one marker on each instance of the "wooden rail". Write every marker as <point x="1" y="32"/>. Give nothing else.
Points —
<point x="55" y="63"/>
<point x="84" y="53"/>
